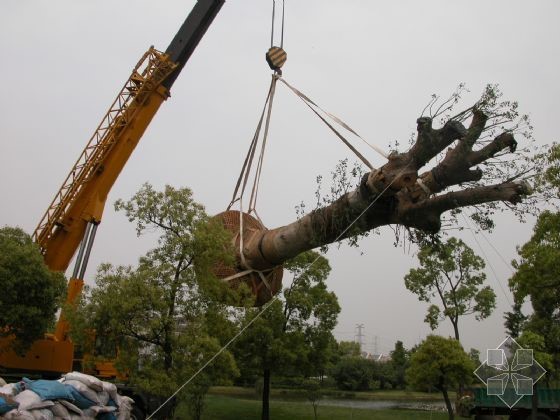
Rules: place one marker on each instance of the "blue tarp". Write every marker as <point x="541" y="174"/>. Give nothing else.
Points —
<point x="48" y="390"/>
<point x="77" y="398"/>
<point x="108" y="416"/>
<point x="6" y="406"/>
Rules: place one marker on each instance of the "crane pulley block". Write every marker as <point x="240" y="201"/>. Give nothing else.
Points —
<point x="276" y="57"/>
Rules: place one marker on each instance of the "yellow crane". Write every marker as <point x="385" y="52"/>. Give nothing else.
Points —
<point x="72" y="218"/>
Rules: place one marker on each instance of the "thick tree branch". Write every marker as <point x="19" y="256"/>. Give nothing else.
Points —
<point x="476" y="127"/>
<point x="512" y="192"/>
<point x="430" y="142"/>
<point x="503" y="141"/>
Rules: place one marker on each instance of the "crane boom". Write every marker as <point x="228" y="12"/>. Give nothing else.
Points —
<point x="72" y="217"/>
<point x="81" y="198"/>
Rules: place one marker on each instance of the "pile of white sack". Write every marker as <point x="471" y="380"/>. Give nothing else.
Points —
<point x="74" y="396"/>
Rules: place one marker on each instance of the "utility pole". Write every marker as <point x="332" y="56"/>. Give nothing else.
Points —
<point x="375" y="345"/>
<point x="360" y="335"/>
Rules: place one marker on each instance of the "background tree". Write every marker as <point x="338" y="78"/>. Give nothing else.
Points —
<point x="451" y="272"/>
<point x="354" y="373"/>
<point x="442" y="363"/>
<point x="536" y="342"/>
<point x="399" y="362"/>
<point x="385" y="374"/>
<point x="31" y="293"/>
<point x="313" y="393"/>
<point x="547" y="180"/>
<point x="349" y="348"/>
<point x="474" y="354"/>
<point x="514" y="321"/>
<point x="164" y="314"/>
<point x="537" y="278"/>
<point x="291" y="336"/>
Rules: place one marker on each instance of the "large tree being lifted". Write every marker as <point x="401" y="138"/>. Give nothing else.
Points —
<point x="405" y="192"/>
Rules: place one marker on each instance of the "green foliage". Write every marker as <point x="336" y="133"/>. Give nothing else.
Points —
<point x="353" y="373"/>
<point x="440" y="363"/>
<point x="452" y="273"/>
<point x="343" y="179"/>
<point x="165" y="315"/>
<point x="515" y="320"/>
<point x="31" y="293"/>
<point x="547" y="181"/>
<point x="536" y="342"/>
<point x="293" y="336"/>
<point x="537" y="277"/>
<point x="538" y="271"/>
<point x="349" y="348"/>
<point x="388" y="375"/>
<point x="474" y="354"/>
<point x="399" y="361"/>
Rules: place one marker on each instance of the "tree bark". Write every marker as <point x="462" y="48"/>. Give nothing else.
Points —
<point x="448" y="404"/>
<point x="399" y="193"/>
<point x="456" y="329"/>
<point x="266" y="395"/>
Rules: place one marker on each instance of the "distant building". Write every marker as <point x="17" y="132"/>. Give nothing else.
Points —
<point x="382" y="358"/>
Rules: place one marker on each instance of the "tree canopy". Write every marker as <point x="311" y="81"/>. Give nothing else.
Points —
<point x="31" y="293"/>
<point x="294" y="336"/>
<point x="166" y="315"/>
<point x="452" y="273"/>
<point x="400" y="359"/>
<point x="440" y="363"/>
<point x="537" y="277"/>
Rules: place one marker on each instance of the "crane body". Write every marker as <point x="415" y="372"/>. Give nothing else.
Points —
<point x="71" y="220"/>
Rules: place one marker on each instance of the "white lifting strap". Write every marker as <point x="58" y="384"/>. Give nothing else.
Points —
<point x="313" y="106"/>
<point x="244" y="178"/>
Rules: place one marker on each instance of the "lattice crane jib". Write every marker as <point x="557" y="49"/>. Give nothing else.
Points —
<point x="69" y="205"/>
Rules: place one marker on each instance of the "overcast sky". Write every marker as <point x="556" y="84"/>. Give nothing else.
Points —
<point x="374" y="63"/>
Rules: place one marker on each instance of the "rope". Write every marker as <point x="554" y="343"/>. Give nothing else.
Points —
<point x="423" y="186"/>
<point x="273" y="300"/>
<point x="313" y="106"/>
<point x="283" y="18"/>
<point x="272" y="25"/>
<point x="247" y="165"/>
<point x="243" y="179"/>
<point x="255" y="190"/>
<point x="246" y="168"/>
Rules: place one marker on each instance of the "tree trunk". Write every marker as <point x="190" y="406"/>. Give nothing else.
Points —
<point x="455" y="323"/>
<point x="315" y="410"/>
<point x="167" y="356"/>
<point x="448" y="403"/>
<point x="266" y="395"/>
<point x="169" y="329"/>
<point x="456" y="329"/>
<point x="399" y="193"/>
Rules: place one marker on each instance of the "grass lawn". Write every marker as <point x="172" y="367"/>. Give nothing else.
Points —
<point x="219" y="407"/>
<point x="298" y="394"/>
